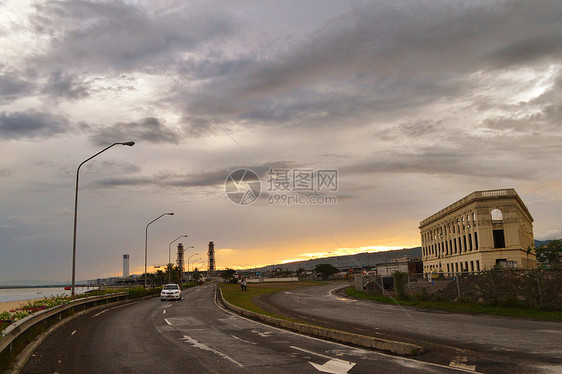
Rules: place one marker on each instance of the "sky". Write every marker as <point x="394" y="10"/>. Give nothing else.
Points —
<point x="411" y="105"/>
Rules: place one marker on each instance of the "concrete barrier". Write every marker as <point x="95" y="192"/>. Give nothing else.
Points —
<point x="399" y="348"/>
<point x="16" y="336"/>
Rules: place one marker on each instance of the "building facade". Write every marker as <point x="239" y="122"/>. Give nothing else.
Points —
<point x="478" y="232"/>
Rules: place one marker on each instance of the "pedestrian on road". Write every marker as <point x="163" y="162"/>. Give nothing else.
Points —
<point x="244" y="285"/>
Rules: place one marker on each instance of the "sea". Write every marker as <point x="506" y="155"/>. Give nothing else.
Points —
<point x="18" y="294"/>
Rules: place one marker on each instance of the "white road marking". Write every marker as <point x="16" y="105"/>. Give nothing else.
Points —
<point x="242" y="340"/>
<point x="73" y="332"/>
<point x="168" y="322"/>
<point x="103" y="311"/>
<point x="460" y="363"/>
<point x="318" y="354"/>
<point x="264" y="334"/>
<point x="197" y="344"/>
<point x="358" y="350"/>
<point x="164" y="311"/>
<point x="333" y="366"/>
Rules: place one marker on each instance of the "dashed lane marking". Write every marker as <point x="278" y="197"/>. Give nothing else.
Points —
<point x="73" y="332"/>
<point x="103" y="311"/>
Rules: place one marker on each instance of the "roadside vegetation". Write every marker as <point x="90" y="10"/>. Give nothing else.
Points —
<point x="244" y="299"/>
<point x="33" y="306"/>
<point x="461" y="307"/>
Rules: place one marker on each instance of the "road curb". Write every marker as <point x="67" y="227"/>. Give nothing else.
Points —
<point x="399" y="348"/>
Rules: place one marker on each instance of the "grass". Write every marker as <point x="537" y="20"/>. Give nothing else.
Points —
<point x="234" y="295"/>
<point x="459" y="307"/>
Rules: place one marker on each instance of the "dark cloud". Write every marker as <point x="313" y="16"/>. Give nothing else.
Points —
<point x="120" y="36"/>
<point x="12" y="87"/>
<point x="148" y="130"/>
<point x="215" y="177"/>
<point x="30" y="125"/>
<point x="446" y="162"/>
<point x="382" y="57"/>
<point x="61" y="84"/>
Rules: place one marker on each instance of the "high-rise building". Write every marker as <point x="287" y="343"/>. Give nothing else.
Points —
<point x="125" y="266"/>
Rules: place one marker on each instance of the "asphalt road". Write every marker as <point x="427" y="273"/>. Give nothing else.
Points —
<point x="489" y="343"/>
<point x="195" y="335"/>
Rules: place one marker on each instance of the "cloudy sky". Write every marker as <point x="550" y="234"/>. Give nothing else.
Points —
<point x="414" y="103"/>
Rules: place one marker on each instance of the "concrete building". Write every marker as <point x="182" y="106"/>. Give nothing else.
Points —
<point x="404" y="264"/>
<point x="478" y="232"/>
<point x="125" y="266"/>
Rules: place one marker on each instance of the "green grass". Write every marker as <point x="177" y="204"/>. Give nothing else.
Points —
<point x="234" y="295"/>
<point x="458" y="307"/>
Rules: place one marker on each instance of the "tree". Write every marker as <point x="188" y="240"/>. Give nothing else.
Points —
<point x="325" y="270"/>
<point x="549" y="254"/>
<point x="196" y="276"/>
<point x="228" y="274"/>
<point x="175" y="276"/>
<point x="300" y="272"/>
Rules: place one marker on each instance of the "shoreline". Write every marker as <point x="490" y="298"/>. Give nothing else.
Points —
<point x="6" y="306"/>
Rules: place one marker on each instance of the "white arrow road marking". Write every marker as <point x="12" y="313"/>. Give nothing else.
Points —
<point x="334" y="365"/>
<point x="264" y="334"/>
<point x="197" y="344"/>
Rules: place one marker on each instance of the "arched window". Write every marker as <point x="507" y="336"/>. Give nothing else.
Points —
<point x="497" y="215"/>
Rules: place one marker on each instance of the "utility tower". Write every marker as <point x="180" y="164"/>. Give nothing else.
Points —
<point x="179" y="261"/>
<point x="211" y="254"/>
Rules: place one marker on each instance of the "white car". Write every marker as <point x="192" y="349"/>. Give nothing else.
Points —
<point x="170" y="292"/>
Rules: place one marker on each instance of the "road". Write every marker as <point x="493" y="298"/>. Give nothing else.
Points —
<point x="195" y="335"/>
<point x="489" y="343"/>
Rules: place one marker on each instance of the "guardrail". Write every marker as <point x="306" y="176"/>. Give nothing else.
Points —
<point x="16" y="336"/>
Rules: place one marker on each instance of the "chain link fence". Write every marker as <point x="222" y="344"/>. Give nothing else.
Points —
<point x="499" y="287"/>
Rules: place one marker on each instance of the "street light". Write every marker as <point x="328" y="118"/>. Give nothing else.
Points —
<point x="146" y="241"/>
<point x="195" y="261"/>
<point x="170" y="257"/>
<point x="130" y="144"/>
<point x="195" y="254"/>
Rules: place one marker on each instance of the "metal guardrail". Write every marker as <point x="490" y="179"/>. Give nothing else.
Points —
<point x="16" y="330"/>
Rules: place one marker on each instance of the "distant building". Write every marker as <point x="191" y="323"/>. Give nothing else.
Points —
<point x="404" y="264"/>
<point x="125" y="266"/>
<point x="480" y="231"/>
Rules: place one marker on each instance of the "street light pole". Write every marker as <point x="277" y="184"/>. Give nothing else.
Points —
<point x="195" y="254"/>
<point x="170" y="257"/>
<point x="146" y="241"/>
<point x="130" y="144"/>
